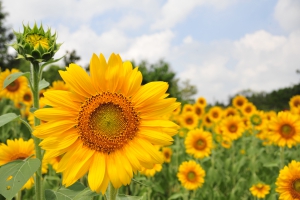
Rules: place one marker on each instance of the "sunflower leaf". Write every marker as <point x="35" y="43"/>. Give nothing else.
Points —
<point x="15" y="174"/>
<point x="8" y="117"/>
<point x="12" y="77"/>
<point x="43" y="84"/>
<point x="77" y="191"/>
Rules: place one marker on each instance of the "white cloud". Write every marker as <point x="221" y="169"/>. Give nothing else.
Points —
<point x="287" y="12"/>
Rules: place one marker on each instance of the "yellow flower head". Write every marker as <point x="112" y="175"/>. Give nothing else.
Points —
<point x="201" y="101"/>
<point x="191" y="175"/>
<point x="151" y="172"/>
<point x="248" y="109"/>
<point x="239" y="101"/>
<point x="231" y="111"/>
<point x="232" y="127"/>
<point x="285" y="129"/>
<point x="260" y="190"/>
<point x="16" y="89"/>
<point x="295" y="102"/>
<point x="189" y="120"/>
<point x="288" y="182"/>
<point x="198" y="143"/>
<point x="107" y="124"/>
<point x="259" y="120"/>
<point x="199" y="110"/>
<point x="215" y="113"/>
<point x="187" y="108"/>
<point x="59" y="85"/>
<point x="167" y="152"/>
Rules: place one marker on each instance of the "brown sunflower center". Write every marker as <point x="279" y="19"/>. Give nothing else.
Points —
<point x="207" y="119"/>
<point x="19" y="156"/>
<point x="189" y="120"/>
<point x="200" y="144"/>
<point x="296" y="103"/>
<point x="240" y="102"/>
<point x="230" y="113"/>
<point x="248" y="109"/>
<point x="191" y="176"/>
<point x="287" y="130"/>
<point x="167" y="154"/>
<point x="296" y="185"/>
<point x="27" y="97"/>
<point x="232" y="128"/>
<point x="215" y="114"/>
<point x="198" y="111"/>
<point x="107" y="121"/>
<point x="201" y="101"/>
<point x="14" y="86"/>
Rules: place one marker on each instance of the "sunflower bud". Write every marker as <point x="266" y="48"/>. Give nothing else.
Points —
<point x="36" y="45"/>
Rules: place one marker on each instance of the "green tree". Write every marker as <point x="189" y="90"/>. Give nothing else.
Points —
<point x="7" y="61"/>
<point x="161" y="71"/>
<point x="71" y="57"/>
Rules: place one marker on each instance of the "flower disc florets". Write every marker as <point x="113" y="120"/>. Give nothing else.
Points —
<point x="35" y="44"/>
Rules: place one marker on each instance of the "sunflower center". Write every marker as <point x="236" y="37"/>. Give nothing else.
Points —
<point x="191" y="176"/>
<point x="248" y="109"/>
<point x="215" y="114"/>
<point x="14" y="86"/>
<point x="19" y="156"/>
<point x="167" y="154"/>
<point x="107" y="121"/>
<point x="256" y="120"/>
<point x="296" y="185"/>
<point x="189" y="120"/>
<point x="198" y="111"/>
<point x="37" y="40"/>
<point x="230" y="113"/>
<point x="232" y="128"/>
<point x="27" y="97"/>
<point x="287" y="131"/>
<point x="296" y="103"/>
<point x="200" y="144"/>
<point x="240" y="102"/>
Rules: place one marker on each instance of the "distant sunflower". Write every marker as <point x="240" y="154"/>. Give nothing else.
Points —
<point x="288" y="182"/>
<point x="239" y="101"/>
<point x="260" y="190"/>
<point x="199" y="110"/>
<point x="16" y="89"/>
<point x="248" y="109"/>
<point x="259" y="120"/>
<point x="295" y="102"/>
<point x="215" y="114"/>
<point x="232" y="127"/>
<point x="201" y="101"/>
<point x="191" y="175"/>
<point x="167" y="152"/>
<point x="17" y="149"/>
<point x="207" y="122"/>
<point x="151" y="172"/>
<point x="230" y="111"/>
<point x="187" y="108"/>
<point x="226" y="142"/>
<point x="198" y="143"/>
<point x="285" y="129"/>
<point x="270" y="114"/>
<point x="27" y="97"/>
<point x="107" y="124"/>
<point x="189" y="120"/>
<point x="59" y="85"/>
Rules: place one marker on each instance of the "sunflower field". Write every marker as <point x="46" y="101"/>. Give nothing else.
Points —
<point x="104" y="136"/>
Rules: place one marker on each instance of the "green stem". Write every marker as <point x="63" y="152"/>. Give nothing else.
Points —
<point x="35" y="78"/>
<point x="26" y="124"/>
<point x="111" y="192"/>
<point x="281" y="157"/>
<point x="19" y="195"/>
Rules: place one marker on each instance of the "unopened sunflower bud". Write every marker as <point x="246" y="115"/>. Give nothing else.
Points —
<point x="36" y="45"/>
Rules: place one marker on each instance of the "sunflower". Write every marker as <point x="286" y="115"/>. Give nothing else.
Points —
<point x="295" y="102"/>
<point x="239" y="101"/>
<point x="189" y="120"/>
<point x="16" y="89"/>
<point x="259" y="120"/>
<point x="199" y="110"/>
<point x="260" y="190"/>
<point x="59" y="85"/>
<point x="270" y="114"/>
<point x="191" y="175"/>
<point x="288" y="182"/>
<point x="230" y="111"/>
<point x="215" y="114"/>
<point x="151" y="172"/>
<point x="167" y="152"/>
<point x="107" y="125"/>
<point x="232" y="127"/>
<point x="207" y="121"/>
<point x="27" y="97"/>
<point x="248" y="109"/>
<point x="198" y="143"/>
<point x="17" y="149"/>
<point x="201" y="101"/>
<point x="226" y="142"/>
<point x="187" y="108"/>
<point x="285" y="129"/>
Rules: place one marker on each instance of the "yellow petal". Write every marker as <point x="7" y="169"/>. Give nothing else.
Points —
<point x="97" y="171"/>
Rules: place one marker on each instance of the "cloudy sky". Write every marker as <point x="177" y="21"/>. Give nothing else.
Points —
<point x="222" y="47"/>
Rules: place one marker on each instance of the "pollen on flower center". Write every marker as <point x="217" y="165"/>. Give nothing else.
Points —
<point x="287" y="131"/>
<point x="200" y="144"/>
<point x="107" y="121"/>
<point x="36" y="40"/>
<point x="296" y="185"/>
<point x="232" y="128"/>
<point x="191" y="176"/>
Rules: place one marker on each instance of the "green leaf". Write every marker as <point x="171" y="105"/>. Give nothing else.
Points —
<point x="51" y="61"/>
<point x="8" y="117"/>
<point x="12" y="77"/>
<point x="127" y="197"/>
<point x="43" y="84"/>
<point x="271" y="164"/>
<point x="77" y="191"/>
<point x="15" y="174"/>
<point x="175" y="196"/>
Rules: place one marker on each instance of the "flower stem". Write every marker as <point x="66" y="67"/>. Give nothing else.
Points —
<point x="111" y="192"/>
<point x="35" y="78"/>
<point x="281" y="157"/>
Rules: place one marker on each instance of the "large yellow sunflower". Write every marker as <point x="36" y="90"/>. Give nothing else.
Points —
<point x="288" y="182"/>
<point x="191" y="175"/>
<point x="232" y="127"/>
<point x="198" y="143"/>
<point x="16" y="89"/>
<point x="260" y="190"/>
<point x="284" y="129"/>
<point x="107" y="125"/>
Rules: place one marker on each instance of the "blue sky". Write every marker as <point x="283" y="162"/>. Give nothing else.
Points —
<point x="222" y="47"/>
